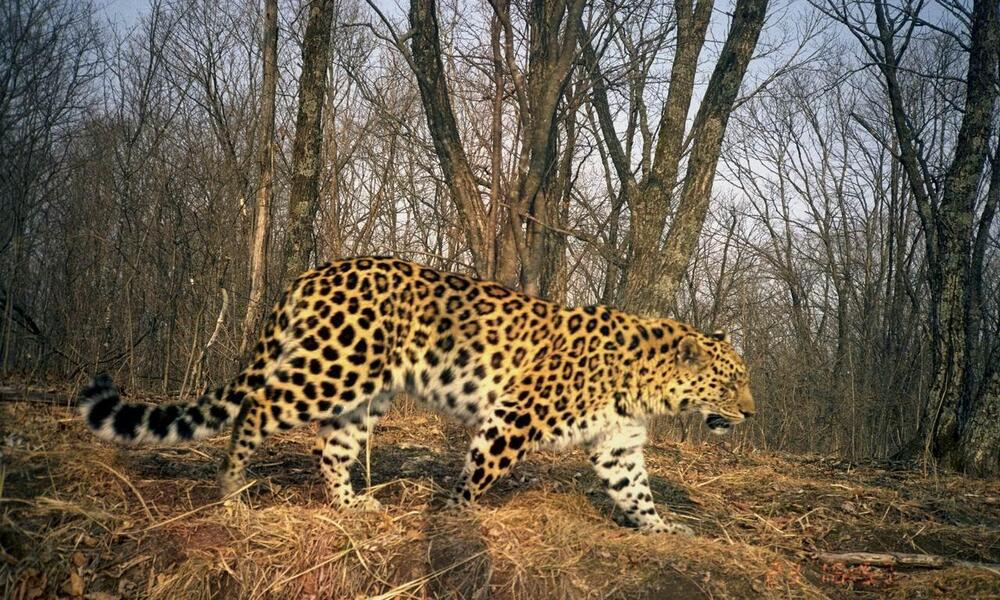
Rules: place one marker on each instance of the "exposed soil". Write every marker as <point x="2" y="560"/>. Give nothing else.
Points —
<point x="79" y="517"/>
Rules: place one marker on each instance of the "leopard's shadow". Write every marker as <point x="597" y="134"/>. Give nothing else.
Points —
<point x="172" y="463"/>
<point x="560" y="473"/>
<point x="291" y="466"/>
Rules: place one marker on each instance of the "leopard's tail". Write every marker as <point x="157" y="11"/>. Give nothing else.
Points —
<point x="175" y="423"/>
<point x="138" y="423"/>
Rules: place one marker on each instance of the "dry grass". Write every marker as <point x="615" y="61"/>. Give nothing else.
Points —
<point x="83" y="518"/>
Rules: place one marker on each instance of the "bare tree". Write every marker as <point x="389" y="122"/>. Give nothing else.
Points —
<point x="514" y="251"/>
<point x="425" y="44"/>
<point x="948" y="217"/>
<point x="649" y="200"/>
<point x="707" y="132"/>
<point x="554" y="29"/>
<point x="308" y="148"/>
<point x="49" y="58"/>
<point x="265" y="167"/>
<point x="654" y="268"/>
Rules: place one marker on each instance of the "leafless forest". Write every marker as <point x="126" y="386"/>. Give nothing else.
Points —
<point x="820" y="179"/>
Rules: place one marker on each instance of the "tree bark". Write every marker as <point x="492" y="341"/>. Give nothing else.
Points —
<point x="307" y="149"/>
<point x="651" y="202"/>
<point x="950" y="395"/>
<point x="265" y="166"/>
<point x="708" y="131"/>
<point x="553" y="277"/>
<point x="425" y="45"/>
<point x="981" y="436"/>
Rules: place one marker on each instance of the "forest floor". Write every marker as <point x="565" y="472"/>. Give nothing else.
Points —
<point x="79" y="517"/>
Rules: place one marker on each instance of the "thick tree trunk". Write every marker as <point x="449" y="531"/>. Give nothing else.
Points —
<point x="425" y="46"/>
<point x="980" y="442"/>
<point x="554" y="276"/>
<point x="949" y="383"/>
<point x="543" y="215"/>
<point x="951" y="403"/>
<point x="708" y="132"/>
<point x="650" y="202"/>
<point x="265" y="165"/>
<point x="307" y="150"/>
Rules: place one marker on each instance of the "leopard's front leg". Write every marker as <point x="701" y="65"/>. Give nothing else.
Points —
<point x="618" y="461"/>
<point x="338" y="445"/>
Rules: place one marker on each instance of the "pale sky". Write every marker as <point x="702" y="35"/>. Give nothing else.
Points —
<point x="124" y="12"/>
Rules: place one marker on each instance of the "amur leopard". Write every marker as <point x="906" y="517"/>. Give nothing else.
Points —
<point x="526" y="373"/>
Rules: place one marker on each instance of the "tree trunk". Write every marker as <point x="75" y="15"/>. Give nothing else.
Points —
<point x="307" y="149"/>
<point x="708" y="131"/>
<point x="980" y="447"/>
<point x="951" y="402"/>
<point x="425" y="45"/>
<point x="651" y="201"/>
<point x="265" y="164"/>
<point x="502" y="260"/>
<point x="652" y="269"/>
<point x="553" y="33"/>
<point x="554" y="278"/>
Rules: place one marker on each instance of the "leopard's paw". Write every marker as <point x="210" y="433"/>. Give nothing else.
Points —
<point x="667" y="527"/>
<point x="357" y="502"/>
<point x="366" y="503"/>
<point x="230" y="484"/>
<point x="453" y="501"/>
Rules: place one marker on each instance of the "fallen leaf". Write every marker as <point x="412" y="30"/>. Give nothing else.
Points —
<point x="74" y="585"/>
<point x="33" y="584"/>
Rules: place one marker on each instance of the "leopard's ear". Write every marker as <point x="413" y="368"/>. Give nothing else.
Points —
<point x="690" y="354"/>
<point x="720" y="336"/>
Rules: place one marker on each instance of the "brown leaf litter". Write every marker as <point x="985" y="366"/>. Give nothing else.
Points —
<point x="81" y="518"/>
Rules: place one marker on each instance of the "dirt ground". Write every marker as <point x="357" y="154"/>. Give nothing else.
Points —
<point x="83" y="518"/>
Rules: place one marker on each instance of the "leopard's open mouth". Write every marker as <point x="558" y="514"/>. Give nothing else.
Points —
<point x="717" y="423"/>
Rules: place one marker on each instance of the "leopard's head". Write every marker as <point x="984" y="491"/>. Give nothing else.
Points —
<point x="711" y="378"/>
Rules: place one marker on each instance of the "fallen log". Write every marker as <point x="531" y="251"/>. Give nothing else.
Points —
<point x="14" y="394"/>
<point x="901" y="559"/>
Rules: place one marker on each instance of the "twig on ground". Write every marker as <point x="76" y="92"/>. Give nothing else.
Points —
<point x="902" y="559"/>
<point x="218" y="502"/>
<point x="142" y="500"/>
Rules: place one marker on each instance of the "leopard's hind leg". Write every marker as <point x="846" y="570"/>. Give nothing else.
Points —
<point x="252" y="426"/>
<point x="338" y="445"/>
<point x="284" y="402"/>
